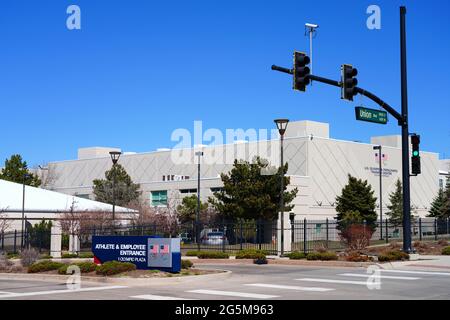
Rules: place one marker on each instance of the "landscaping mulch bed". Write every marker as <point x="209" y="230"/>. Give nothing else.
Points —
<point x="422" y="247"/>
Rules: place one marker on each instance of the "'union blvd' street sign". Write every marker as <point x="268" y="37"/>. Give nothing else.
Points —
<point x="371" y="115"/>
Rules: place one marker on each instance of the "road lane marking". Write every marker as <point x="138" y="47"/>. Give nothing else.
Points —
<point x="417" y="272"/>
<point x="381" y="277"/>
<point x="156" y="297"/>
<point x="234" y="294"/>
<point x="276" y="286"/>
<point x="40" y="293"/>
<point x="363" y="283"/>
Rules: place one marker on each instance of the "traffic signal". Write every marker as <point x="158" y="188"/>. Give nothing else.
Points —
<point x="415" y="163"/>
<point x="301" y="71"/>
<point x="349" y="82"/>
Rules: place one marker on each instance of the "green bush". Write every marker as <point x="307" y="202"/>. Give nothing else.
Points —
<point x="186" y="264"/>
<point x="46" y="257"/>
<point x="446" y="251"/>
<point x="85" y="255"/>
<point x="192" y="253"/>
<point x="85" y="267"/>
<point x="296" y="255"/>
<point x="69" y="255"/>
<point x="393" y="255"/>
<point x="213" y="255"/>
<point x="114" y="267"/>
<point x="251" y="254"/>
<point x="322" y="256"/>
<point x="46" y="265"/>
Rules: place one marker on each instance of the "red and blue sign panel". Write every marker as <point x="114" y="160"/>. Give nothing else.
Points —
<point x="146" y="252"/>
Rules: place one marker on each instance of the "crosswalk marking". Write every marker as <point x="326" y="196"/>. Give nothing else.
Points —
<point x="432" y="273"/>
<point x="40" y="293"/>
<point x="276" y="286"/>
<point x="234" y="294"/>
<point x="381" y="277"/>
<point x="156" y="297"/>
<point x="363" y="283"/>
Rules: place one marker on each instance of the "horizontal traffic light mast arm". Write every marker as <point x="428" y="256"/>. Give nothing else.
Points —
<point x="281" y="69"/>
<point x="382" y="104"/>
<point x="365" y="93"/>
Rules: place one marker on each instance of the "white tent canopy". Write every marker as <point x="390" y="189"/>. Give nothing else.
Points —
<point x="41" y="203"/>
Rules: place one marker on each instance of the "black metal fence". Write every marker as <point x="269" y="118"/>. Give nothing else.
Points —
<point x="305" y="235"/>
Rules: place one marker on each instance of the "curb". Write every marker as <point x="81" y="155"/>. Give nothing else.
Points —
<point x="117" y="280"/>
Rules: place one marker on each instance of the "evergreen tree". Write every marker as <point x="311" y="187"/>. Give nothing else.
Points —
<point x="16" y="170"/>
<point x="118" y="185"/>
<point x="357" y="197"/>
<point x="248" y="193"/>
<point x="438" y="206"/>
<point x="395" y="207"/>
<point x="187" y="210"/>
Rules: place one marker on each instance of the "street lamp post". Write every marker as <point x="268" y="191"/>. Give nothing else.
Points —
<point x="281" y="126"/>
<point x="115" y="155"/>
<point x="197" y="217"/>
<point x="379" y="148"/>
<point x="25" y="176"/>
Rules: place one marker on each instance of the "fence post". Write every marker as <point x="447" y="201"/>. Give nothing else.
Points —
<point x="3" y="240"/>
<point x="448" y="225"/>
<point x="420" y="229"/>
<point x="259" y="234"/>
<point x="386" y="222"/>
<point x="435" y="229"/>
<point x="328" y="236"/>
<point x="224" y="237"/>
<point x="304" y="236"/>
<point x="240" y="244"/>
<point x="40" y="240"/>
<point x="15" y="241"/>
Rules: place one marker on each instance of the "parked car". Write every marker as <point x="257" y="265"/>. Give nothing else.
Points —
<point x="185" y="237"/>
<point x="214" y="238"/>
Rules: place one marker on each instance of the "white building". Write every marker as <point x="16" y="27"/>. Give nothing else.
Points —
<point x="318" y="166"/>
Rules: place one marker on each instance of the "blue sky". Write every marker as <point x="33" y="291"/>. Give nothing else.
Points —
<point x="139" y="69"/>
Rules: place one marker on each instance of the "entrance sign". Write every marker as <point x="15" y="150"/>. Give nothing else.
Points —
<point x="371" y="115"/>
<point x="146" y="252"/>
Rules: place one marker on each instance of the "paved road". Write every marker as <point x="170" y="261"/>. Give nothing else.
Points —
<point x="256" y="282"/>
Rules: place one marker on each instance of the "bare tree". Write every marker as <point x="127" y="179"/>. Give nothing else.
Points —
<point x="47" y="174"/>
<point x="4" y="222"/>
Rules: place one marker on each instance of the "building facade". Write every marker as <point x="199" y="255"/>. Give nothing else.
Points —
<point x="318" y="166"/>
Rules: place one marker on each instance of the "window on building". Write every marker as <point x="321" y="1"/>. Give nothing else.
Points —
<point x="84" y="196"/>
<point x="159" y="198"/>
<point x="216" y="189"/>
<point x="185" y="191"/>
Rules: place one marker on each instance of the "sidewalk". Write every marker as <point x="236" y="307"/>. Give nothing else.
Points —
<point x="425" y="263"/>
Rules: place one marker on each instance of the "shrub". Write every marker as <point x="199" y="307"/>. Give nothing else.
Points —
<point x="213" y="255"/>
<point x="43" y="266"/>
<point x="393" y="255"/>
<point x="192" y="253"/>
<point x="356" y="236"/>
<point x="357" y="257"/>
<point x="85" y="267"/>
<point x="251" y="254"/>
<point x="5" y="264"/>
<point x="69" y="255"/>
<point x="322" y="256"/>
<point x="296" y="255"/>
<point x="443" y="242"/>
<point x="46" y="257"/>
<point x="114" y="267"/>
<point x="446" y="251"/>
<point x="12" y="255"/>
<point x="261" y="260"/>
<point x="86" y="255"/>
<point x="28" y="257"/>
<point x="186" y="264"/>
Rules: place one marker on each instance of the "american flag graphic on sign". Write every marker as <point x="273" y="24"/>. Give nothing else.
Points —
<point x="153" y="249"/>
<point x="164" y="248"/>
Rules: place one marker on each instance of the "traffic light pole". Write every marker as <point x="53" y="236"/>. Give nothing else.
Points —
<point x="405" y="138"/>
<point x="402" y="121"/>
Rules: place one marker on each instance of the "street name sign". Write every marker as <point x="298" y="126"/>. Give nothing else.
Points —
<point x="371" y="115"/>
